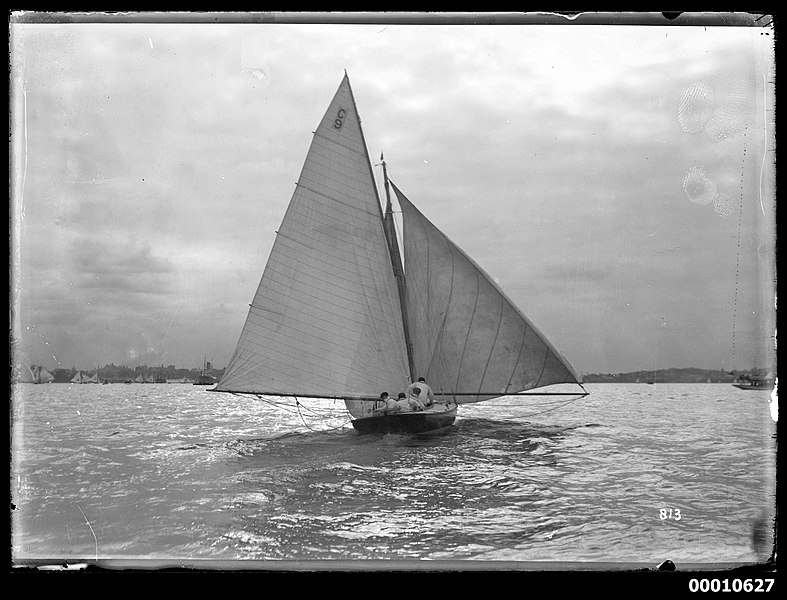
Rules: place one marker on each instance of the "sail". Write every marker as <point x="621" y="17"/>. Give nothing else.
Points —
<point x="91" y="379"/>
<point x="326" y="319"/>
<point x="468" y="338"/>
<point x="78" y="378"/>
<point x="41" y="375"/>
<point x="24" y="374"/>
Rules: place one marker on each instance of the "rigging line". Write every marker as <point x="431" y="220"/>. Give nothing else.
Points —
<point x="285" y="405"/>
<point x="272" y="403"/>
<point x="263" y="399"/>
<point x="545" y="402"/>
<point x="287" y="408"/>
<point x="551" y="409"/>
<point x="298" y="405"/>
<point x="524" y="393"/>
<point x="314" y="412"/>
<point x="279" y="405"/>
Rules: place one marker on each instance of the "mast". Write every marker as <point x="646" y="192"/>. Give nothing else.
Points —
<point x="393" y="245"/>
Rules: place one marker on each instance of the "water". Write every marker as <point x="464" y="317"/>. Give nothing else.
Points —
<point x="172" y="471"/>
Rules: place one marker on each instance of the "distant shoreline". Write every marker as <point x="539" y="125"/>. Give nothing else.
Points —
<point x="689" y="375"/>
<point x="171" y="374"/>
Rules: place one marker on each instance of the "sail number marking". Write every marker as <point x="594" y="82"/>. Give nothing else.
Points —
<point x="339" y="120"/>
<point x="668" y="513"/>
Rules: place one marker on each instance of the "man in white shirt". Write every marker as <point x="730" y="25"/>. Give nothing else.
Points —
<point x="389" y="405"/>
<point x="426" y="396"/>
<point x="414" y="399"/>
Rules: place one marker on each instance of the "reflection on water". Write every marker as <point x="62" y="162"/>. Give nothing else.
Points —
<point x="173" y="471"/>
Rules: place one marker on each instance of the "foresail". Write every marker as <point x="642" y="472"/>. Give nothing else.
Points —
<point x="326" y="319"/>
<point x="468" y="338"/>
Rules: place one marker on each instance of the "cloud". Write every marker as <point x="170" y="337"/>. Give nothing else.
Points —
<point x="159" y="160"/>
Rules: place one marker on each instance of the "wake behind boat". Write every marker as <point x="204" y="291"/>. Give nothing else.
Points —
<point x="344" y="311"/>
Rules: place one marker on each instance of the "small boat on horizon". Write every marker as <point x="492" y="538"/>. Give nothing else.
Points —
<point x="24" y="373"/>
<point x="206" y="375"/>
<point x="753" y="382"/>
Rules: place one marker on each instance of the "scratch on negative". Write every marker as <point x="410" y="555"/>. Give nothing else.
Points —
<point x="24" y="131"/>
<point x="91" y="530"/>
<point x="765" y="121"/>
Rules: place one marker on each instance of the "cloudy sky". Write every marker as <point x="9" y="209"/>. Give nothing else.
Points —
<point x="616" y="181"/>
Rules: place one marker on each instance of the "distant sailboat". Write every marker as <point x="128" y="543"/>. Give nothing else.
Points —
<point x="79" y="378"/>
<point x="23" y="374"/>
<point x="31" y="374"/>
<point x="340" y="314"/>
<point x="41" y="375"/>
<point x="753" y="382"/>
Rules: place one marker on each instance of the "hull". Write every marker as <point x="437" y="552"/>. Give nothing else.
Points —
<point x="409" y="422"/>
<point x="745" y="386"/>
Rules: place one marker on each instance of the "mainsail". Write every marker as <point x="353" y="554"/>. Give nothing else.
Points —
<point x="469" y="340"/>
<point x="326" y="320"/>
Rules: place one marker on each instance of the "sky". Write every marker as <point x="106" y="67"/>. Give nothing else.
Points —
<point x="616" y="181"/>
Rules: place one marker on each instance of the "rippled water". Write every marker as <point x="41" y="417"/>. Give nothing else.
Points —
<point x="176" y="472"/>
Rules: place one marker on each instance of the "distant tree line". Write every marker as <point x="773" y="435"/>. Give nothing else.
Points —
<point x="113" y="372"/>
<point x="689" y="375"/>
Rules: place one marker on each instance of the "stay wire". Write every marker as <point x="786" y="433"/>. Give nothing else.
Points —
<point x="541" y="412"/>
<point x="288" y="408"/>
<point x="298" y="406"/>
